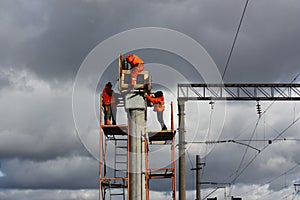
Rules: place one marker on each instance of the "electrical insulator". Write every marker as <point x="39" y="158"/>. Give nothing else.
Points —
<point x="212" y="104"/>
<point x="258" y="109"/>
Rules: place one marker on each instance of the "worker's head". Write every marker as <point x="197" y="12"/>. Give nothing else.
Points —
<point x="159" y="94"/>
<point x="129" y="58"/>
<point x="109" y="84"/>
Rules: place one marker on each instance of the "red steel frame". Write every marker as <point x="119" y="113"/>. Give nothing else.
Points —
<point x="101" y="176"/>
<point x="147" y="176"/>
<point x="173" y="168"/>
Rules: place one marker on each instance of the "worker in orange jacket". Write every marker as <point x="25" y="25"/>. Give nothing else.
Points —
<point x="109" y="104"/>
<point x="137" y="66"/>
<point x="159" y="107"/>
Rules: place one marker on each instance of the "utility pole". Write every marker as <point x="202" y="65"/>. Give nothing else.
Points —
<point x="198" y="174"/>
<point x="182" y="172"/>
<point x="136" y="110"/>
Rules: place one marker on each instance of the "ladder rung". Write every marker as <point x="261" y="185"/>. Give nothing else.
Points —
<point x="117" y="194"/>
<point x="121" y="154"/>
<point x="121" y="162"/>
<point x="121" y="147"/>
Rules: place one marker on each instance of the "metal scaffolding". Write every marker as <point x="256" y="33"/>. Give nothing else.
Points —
<point x="118" y="185"/>
<point x="166" y="137"/>
<point x="114" y="184"/>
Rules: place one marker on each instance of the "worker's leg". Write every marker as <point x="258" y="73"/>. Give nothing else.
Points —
<point x="134" y="73"/>
<point x="140" y="68"/>
<point x="106" y="115"/>
<point x="114" y="114"/>
<point x="109" y="114"/>
<point x="160" y="119"/>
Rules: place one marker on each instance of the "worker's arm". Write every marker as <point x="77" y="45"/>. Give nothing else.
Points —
<point x="153" y="100"/>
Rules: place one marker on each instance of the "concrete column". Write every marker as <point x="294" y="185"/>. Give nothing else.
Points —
<point x="143" y="169"/>
<point x="136" y="107"/>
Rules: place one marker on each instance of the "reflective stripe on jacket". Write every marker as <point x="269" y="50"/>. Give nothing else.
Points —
<point x="159" y="103"/>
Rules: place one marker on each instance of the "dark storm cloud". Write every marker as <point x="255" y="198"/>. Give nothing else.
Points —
<point x="53" y="37"/>
<point x="267" y="47"/>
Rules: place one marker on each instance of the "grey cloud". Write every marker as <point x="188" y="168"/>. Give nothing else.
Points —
<point x="63" y="173"/>
<point x="66" y="32"/>
<point x="38" y="123"/>
<point x="4" y="80"/>
<point x="47" y="194"/>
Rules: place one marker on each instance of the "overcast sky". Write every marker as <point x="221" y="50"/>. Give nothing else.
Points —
<point x="44" y="42"/>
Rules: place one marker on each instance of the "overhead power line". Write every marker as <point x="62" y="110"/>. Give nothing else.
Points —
<point x="276" y="138"/>
<point x="244" y="155"/>
<point x="225" y="141"/>
<point x="272" y="180"/>
<point x="208" y="135"/>
<point x="252" y="160"/>
<point x="235" y="38"/>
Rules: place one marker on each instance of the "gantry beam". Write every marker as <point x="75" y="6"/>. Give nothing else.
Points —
<point x="240" y="92"/>
<point x="228" y="92"/>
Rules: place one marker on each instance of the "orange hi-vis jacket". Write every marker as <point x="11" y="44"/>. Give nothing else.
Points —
<point x="159" y="103"/>
<point x="107" y="98"/>
<point x="134" y="60"/>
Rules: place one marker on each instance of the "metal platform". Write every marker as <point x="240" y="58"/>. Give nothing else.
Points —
<point x="165" y="135"/>
<point x="114" y="185"/>
<point x="112" y="130"/>
<point x="161" y="173"/>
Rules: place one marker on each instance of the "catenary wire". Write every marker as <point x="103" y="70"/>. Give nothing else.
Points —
<point x="232" y="47"/>
<point x="281" y="133"/>
<point x="296" y="77"/>
<point x="208" y="134"/>
<point x="235" y="39"/>
<point x="244" y="155"/>
<point x="273" y="179"/>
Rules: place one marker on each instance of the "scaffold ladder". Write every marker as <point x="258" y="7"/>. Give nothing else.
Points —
<point x="121" y="155"/>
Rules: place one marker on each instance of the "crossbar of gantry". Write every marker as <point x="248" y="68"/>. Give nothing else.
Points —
<point x="240" y="92"/>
